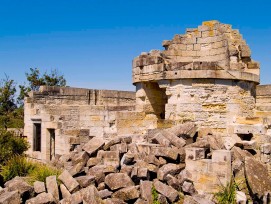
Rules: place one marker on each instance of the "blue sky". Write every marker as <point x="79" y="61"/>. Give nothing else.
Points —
<point x="93" y="42"/>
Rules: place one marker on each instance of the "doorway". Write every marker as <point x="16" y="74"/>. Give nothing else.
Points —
<point x="52" y="143"/>
<point x="37" y="137"/>
<point x="157" y="98"/>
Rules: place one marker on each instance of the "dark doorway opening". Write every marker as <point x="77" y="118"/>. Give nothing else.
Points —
<point x="37" y="137"/>
<point x="52" y="143"/>
<point x="157" y="98"/>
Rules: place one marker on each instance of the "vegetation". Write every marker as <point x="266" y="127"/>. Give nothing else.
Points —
<point x="227" y="193"/>
<point x="11" y="146"/>
<point x="41" y="171"/>
<point x="12" y="159"/>
<point x="17" y="166"/>
<point x="154" y="195"/>
<point x="7" y="101"/>
<point x="11" y="107"/>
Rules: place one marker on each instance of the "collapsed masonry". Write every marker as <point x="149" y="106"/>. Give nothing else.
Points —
<point x="205" y="76"/>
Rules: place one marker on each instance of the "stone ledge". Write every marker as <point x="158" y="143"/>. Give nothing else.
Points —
<point x="198" y="74"/>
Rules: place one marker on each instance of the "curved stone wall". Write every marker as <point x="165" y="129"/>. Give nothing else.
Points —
<point x="206" y="76"/>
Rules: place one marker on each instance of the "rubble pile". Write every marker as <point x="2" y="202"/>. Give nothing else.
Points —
<point x="173" y="165"/>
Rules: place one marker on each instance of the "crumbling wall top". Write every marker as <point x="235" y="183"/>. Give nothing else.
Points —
<point x="212" y="50"/>
<point x="80" y="96"/>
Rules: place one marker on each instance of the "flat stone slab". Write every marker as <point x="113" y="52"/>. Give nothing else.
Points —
<point x="257" y="177"/>
<point x="166" y="190"/>
<point x="43" y="198"/>
<point x="52" y="187"/>
<point x="71" y="184"/>
<point x="39" y="187"/>
<point x="93" y="145"/>
<point x="127" y="193"/>
<point x="118" y="180"/>
<point x="10" y="197"/>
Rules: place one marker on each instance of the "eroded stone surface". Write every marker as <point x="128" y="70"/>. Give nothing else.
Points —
<point x="71" y="184"/>
<point x="118" y="180"/>
<point x="43" y="198"/>
<point x="257" y="176"/>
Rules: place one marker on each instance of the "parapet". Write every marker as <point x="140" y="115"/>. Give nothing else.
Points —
<point x="80" y="96"/>
<point x="213" y="50"/>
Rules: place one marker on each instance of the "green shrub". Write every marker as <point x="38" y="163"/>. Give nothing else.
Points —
<point x="154" y="195"/>
<point x="41" y="171"/>
<point x="227" y="193"/>
<point x="11" y="145"/>
<point x="16" y="166"/>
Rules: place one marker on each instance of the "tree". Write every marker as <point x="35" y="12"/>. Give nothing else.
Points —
<point x="7" y="96"/>
<point x="52" y="79"/>
<point x="11" y="145"/>
<point x="7" y="100"/>
<point x="35" y="80"/>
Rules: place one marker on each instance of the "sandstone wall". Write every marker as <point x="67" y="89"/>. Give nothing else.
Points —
<point x="206" y="76"/>
<point x="76" y="115"/>
<point x="212" y="50"/>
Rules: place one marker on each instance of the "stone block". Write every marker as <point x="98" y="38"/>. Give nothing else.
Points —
<point x="93" y="161"/>
<point x="221" y="156"/>
<point x="109" y="158"/>
<point x="98" y="173"/>
<point x="197" y="47"/>
<point x="247" y="129"/>
<point x="169" y="168"/>
<point x="81" y="157"/>
<point x="266" y="148"/>
<point x="195" y="153"/>
<point x="39" y="187"/>
<point x="19" y="184"/>
<point x="10" y="197"/>
<point x="77" y="168"/>
<point x="91" y="195"/>
<point x="190" y="47"/>
<point x="65" y="193"/>
<point x="158" y="138"/>
<point x="85" y="181"/>
<point x="188" y="187"/>
<point x="42" y="198"/>
<point x="166" y="190"/>
<point x="93" y="145"/>
<point x="143" y="173"/>
<point x="114" y="201"/>
<point x="127" y="193"/>
<point x="105" y="193"/>
<point x="146" y="190"/>
<point x="257" y="177"/>
<point x="51" y="186"/>
<point x="121" y="148"/>
<point x="174" y="140"/>
<point x="71" y="184"/>
<point x="101" y="186"/>
<point x="127" y="158"/>
<point x="111" y="143"/>
<point x="118" y="180"/>
<point x="173" y="182"/>
<point x="164" y="152"/>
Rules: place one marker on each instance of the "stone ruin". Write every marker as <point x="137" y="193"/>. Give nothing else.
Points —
<point x="198" y="120"/>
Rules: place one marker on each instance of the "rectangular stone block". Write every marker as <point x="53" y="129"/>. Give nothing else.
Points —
<point x="196" y="47"/>
<point x="195" y="153"/>
<point x="266" y="148"/>
<point x="247" y="129"/>
<point x="221" y="156"/>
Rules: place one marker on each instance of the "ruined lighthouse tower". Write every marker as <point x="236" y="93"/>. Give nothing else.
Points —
<point x="206" y="76"/>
